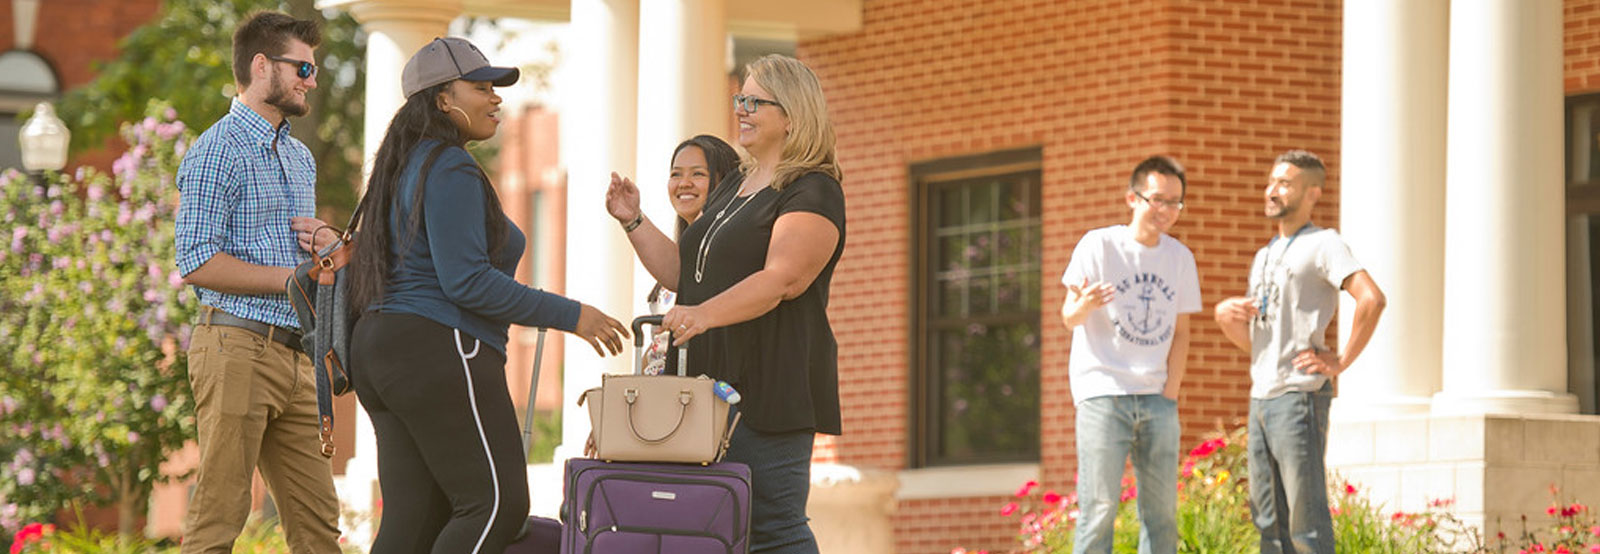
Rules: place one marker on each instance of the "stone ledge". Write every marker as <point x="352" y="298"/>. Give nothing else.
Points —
<point x="1497" y="468"/>
<point x="965" y="481"/>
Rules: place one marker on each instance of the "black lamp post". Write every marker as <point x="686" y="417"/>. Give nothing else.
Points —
<point x="44" y="142"/>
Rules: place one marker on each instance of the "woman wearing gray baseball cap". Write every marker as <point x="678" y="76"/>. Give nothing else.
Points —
<point x="433" y="282"/>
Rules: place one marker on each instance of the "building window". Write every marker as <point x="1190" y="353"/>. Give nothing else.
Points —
<point x="1583" y="249"/>
<point x="29" y="80"/>
<point x="976" y="309"/>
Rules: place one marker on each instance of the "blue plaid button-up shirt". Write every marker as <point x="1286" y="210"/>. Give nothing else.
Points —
<point x="239" y="184"/>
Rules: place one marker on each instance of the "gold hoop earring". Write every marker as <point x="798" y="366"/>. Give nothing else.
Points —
<point x="463" y="114"/>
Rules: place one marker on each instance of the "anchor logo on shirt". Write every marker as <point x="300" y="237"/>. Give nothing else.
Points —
<point x="1146" y="317"/>
<point x="1141" y="320"/>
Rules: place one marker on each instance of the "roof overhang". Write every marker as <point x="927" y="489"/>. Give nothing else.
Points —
<point x="776" y="19"/>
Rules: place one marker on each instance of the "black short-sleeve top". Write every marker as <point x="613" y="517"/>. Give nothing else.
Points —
<point x="785" y="363"/>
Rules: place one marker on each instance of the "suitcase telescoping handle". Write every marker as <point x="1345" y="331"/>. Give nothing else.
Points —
<point x="542" y="540"/>
<point x="639" y="337"/>
<point x="533" y="388"/>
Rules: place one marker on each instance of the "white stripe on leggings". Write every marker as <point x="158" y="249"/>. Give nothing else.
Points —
<point x="472" y="399"/>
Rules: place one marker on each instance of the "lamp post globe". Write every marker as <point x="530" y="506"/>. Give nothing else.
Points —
<point x="44" y="140"/>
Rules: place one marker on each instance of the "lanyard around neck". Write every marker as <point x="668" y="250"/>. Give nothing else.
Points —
<point x="1268" y="269"/>
<point x="1286" y="246"/>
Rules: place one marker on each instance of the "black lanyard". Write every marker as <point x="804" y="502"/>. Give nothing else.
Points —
<point x="1266" y="274"/>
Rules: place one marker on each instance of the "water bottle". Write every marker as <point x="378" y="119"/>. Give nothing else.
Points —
<point x="725" y="392"/>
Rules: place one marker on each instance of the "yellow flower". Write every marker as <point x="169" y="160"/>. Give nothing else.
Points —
<point x="1222" y="477"/>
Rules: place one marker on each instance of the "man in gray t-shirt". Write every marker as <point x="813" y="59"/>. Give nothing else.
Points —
<point x="1294" y="291"/>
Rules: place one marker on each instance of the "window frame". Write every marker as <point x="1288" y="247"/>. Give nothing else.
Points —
<point x="1582" y="201"/>
<point x="15" y="102"/>
<point x="1583" y="197"/>
<point x="923" y="427"/>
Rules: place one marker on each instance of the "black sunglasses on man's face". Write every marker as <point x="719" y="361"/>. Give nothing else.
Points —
<point x="303" y="69"/>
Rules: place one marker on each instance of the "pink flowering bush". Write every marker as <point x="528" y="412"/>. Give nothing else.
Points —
<point x="33" y="537"/>
<point x="1573" y="530"/>
<point x="1361" y="526"/>
<point x="93" y="387"/>
<point x="1214" y="496"/>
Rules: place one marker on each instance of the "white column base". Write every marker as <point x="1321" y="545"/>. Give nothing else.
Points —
<point x="1504" y="402"/>
<point x="1368" y="407"/>
<point x="852" y="509"/>
<point x="1494" y="468"/>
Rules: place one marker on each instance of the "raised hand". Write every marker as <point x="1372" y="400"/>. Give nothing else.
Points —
<point x="1084" y="298"/>
<point x="622" y="199"/>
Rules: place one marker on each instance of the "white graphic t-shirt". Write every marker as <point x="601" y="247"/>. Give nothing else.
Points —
<point x="1122" y="348"/>
<point x="1295" y="282"/>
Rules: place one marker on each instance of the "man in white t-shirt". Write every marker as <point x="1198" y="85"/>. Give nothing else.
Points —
<point x="1294" y="291"/>
<point x="1130" y="289"/>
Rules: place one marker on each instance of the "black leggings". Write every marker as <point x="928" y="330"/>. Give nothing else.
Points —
<point x="450" y="460"/>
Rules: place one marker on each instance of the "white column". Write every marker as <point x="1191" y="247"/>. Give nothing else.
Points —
<point x="682" y="68"/>
<point x="396" y="29"/>
<point x="1505" y="292"/>
<point x="24" y="21"/>
<point x="599" y="83"/>
<point x="1391" y="187"/>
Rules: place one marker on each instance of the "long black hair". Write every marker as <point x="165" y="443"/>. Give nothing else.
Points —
<point x="721" y="161"/>
<point x="418" y="119"/>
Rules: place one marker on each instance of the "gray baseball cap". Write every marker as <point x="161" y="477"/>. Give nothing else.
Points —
<point x="450" y="58"/>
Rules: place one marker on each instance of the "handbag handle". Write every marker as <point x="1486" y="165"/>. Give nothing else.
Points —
<point x="684" y="398"/>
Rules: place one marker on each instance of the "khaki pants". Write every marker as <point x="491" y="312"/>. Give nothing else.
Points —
<point x="255" y="405"/>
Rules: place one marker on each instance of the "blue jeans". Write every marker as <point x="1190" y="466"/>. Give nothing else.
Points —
<point x="780" y="480"/>
<point x="1288" y="480"/>
<point x="1110" y="428"/>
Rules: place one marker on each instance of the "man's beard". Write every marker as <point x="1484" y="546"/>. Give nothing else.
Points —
<point x="1282" y="210"/>
<point x="281" y="97"/>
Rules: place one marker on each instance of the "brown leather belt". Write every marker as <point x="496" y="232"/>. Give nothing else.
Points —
<point x="281" y="335"/>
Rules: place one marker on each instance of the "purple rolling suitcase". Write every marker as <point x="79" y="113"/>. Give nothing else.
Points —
<point x="628" y="507"/>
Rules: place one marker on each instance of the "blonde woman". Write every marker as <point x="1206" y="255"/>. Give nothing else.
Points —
<point x="752" y="277"/>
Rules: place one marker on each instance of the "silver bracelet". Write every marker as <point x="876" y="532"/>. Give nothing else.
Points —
<point x="631" y="225"/>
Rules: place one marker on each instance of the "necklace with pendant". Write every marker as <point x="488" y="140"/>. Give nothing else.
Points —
<point x="716" y="226"/>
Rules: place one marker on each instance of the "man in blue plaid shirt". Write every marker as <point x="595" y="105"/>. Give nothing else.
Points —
<point x="245" y="219"/>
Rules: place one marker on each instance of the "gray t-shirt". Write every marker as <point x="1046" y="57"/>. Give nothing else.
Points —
<point x="1295" y="282"/>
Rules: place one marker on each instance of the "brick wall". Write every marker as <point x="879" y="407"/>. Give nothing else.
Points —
<point x="1581" y="44"/>
<point x="1222" y="85"/>
<point x="74" y="34"/>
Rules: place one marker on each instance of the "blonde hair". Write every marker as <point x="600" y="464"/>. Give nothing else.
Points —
<point x="809" y="145"/>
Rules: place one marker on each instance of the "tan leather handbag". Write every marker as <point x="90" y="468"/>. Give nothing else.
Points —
<point x="658" y="418"/>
